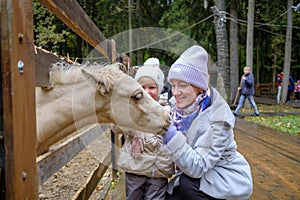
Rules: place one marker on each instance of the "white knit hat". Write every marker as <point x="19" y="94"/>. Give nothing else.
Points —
<point x="151" y="70"/>
<point x="152" y="61"/>
<point x="191" y="67"/>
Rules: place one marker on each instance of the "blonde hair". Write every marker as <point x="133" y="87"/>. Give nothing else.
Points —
<point x="246" y="67"/>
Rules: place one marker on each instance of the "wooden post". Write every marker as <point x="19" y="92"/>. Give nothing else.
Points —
<point x="113" y="50"/>
<point x="17" y="65"/>
<point x="115" y="138"/>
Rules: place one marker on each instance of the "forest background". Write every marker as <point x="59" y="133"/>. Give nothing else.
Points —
<point x="195" y="19"/>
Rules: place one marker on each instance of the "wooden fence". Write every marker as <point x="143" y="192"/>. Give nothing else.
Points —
<point x="51" y="162"/>
<point x="23" y="171"/>
<point x="268" y="90"/>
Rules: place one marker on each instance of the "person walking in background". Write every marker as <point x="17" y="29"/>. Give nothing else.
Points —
<point x="147" y="168"/>
<point x="247" y="92"/>
<point x="297" y="90"/>
<point x="279" y="77"/>
<point x="290" y="89"/>
<point x="200" y="139"/>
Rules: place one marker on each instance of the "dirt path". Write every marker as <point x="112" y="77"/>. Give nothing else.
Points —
<point x="274" y="157"/>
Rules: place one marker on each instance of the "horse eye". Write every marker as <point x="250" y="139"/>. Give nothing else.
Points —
<point x="138" y="96"/>
<point x="122" y="67"/>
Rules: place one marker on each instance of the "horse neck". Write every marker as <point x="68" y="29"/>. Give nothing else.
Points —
<point x="69" y="108"/>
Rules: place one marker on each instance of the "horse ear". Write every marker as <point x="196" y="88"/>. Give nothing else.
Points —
<point x="100" y="83"/>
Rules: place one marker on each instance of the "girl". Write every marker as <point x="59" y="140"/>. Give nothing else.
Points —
<point x="147" y="167"/>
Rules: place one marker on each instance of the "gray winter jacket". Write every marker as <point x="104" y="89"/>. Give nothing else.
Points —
<point x="208" y="151"/>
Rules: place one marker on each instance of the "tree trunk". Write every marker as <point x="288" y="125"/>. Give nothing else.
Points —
<point x="288" y="49"/>
<point x="249" y="56"/>
<point x="249" y="46"/>
<point x="234" y="54"/>
<point x="130" y="7"/>
<point x="257" y="64"/>
<point x="222" y="48"/>
<point x="139" y="59"/>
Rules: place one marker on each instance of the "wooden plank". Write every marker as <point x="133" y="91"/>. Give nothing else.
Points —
<point x="43" y="60"/>
<point x="52" y="161"/>
<point x="106" y="187"/>
<point x="69" y="11"/>
<point x="18" y="99"/>
<point x="113" y="51"/>
<point x="116" y="144"/>
<point x="266" y="89"/>
<point x="87" y="189"/>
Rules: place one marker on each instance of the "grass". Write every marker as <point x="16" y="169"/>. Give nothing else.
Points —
<point x="287" y="123"/>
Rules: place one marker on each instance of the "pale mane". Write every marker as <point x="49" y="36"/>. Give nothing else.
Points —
<point x="63" y="73"/>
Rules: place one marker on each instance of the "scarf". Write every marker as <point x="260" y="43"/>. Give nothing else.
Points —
<point x="183" y="118"/>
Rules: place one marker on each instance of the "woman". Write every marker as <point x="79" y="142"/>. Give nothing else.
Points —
<point x="147" y="167"/>
<point x="201" y="140"/>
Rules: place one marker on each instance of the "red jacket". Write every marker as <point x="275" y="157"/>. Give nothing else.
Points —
<point x="279" y="79"/>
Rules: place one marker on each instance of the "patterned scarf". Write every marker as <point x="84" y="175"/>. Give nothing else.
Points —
<point x="183" y="118"/>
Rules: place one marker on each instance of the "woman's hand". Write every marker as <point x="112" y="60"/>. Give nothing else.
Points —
<point x="169" y="134"/>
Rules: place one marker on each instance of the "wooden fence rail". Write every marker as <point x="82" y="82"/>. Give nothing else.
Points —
<point x="51" y="162"/>
<point x="266" y="90"/>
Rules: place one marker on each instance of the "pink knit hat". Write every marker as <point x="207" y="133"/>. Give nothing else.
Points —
<point x="191" y="67"/>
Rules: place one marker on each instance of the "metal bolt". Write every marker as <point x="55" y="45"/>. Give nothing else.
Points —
<point x="21" y="66"/>
<point x="21" y="38"/>
<point x="24" y="175"/>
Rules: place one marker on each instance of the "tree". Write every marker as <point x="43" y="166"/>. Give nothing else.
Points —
<point x="222" y="46"/>
<point x="288" y="48"/>
<point x="234" y="54"/>
<point x="192" y="19"/>
<point x="46" y="28"/>
<point x="249" y="52"/>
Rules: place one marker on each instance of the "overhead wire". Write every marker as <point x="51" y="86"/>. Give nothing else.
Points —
<point x="263" y="24"/>
<point x="244" y="23"/>
<point x="233" y="18"/>
<point x="172" y="35"/>
<point x="222" y="19"/>
<point x="165" y="38"/>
